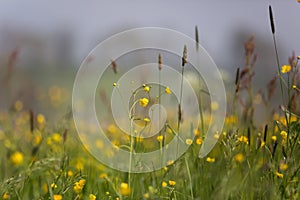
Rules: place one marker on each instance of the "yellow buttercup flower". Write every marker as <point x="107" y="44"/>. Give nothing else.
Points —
<point x="164" y="184"/>
<point x="172" y="183"/>
<point x="168" y="90"/>
<point x="17" y="158"/>
<point x="57" y="197"/>
<point x="146" y="88"/>
<point x="189" y="141"/>
<point x="199" y="141"/>
<point x="279" y="175"/>
<point x="5" y="196"/>
<point x="160" y="138"/>
<point x="283" y="134"/>
<point x="124" y="189"/>
<point x="78" y="186"/>
<point x="144" y="102"/>
<point x="274" y="138"/>
<point x="283" y="166"/>
<point x="92" y="197"/>
<point x="239" y="157"/>
<point x="286" y="68"/>
<point x="243" y="139"/>
<point x="210" y="160"/>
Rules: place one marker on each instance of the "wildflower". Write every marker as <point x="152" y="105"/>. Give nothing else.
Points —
<point x="40" y="119"/>
<point x="53" y="186"/>
<point x="274" y="138"/>
<point x="57" y="197"/>
<point x="298" y="57"/>
<point x="164" y="184"/>
<point x="199" y="141"/>
<point x="279" y="175"/>
<point x="146" y="119"/>
<point x="78" y="186"/>
<point x="146" y="195"/>
<point x="17" y="158"/>
<point x="210" y="160"/>
<point x="103" y="175"/>
<point x="170" y="162"/>
<point x="294" y="87"/>
<point x="124" y="189"/>
<point x="115" y="84"/>
<point x="168" y="90"/>
<point x="56" y="137"/>
<point x="285" y="68"/>
<point x="239" y="157"/>
<point x="189" y="141"/>
<point x="262" y="144"/>
<point x="216" y="136"/>
<point x="172" y="183"/>
<point x="92" y="197"/>
<point x="160" y="138"/>
<point x="283" y="166"/>
<point x="283" y="134"/>
<point x="70" y="173"/>
<point x="243" y="139"/>
<point x="144" y="102"/>
<point x="196" y="132"/>
<point x="5" y="196"/>
<point x="146" y="88"/>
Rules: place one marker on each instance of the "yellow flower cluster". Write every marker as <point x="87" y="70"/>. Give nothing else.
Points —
<point x="243" y="139"/>
<point x="78" y="186"/>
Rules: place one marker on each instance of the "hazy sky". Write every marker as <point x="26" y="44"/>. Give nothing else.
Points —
<point x="223" y="25"/>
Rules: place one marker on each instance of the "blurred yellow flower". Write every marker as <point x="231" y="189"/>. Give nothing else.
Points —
<point x="172" y="183"/>
<point x="283" y="166"/>
<point x="17" y="158"/>
<point x="285" y="68"/>
<point x="40" y="119"/>
<point x="243" y="139"/>
<point x="144" y="102"/>
<point x="189" y="141"/>
<point x="5" y="196"/>
<point x="168" y="90"/>
<point x="57" y="197"/>
<point x="92" y="197"/>
<point x="239" y="157"/>
<point x="262" y="144"/>
<point x="146" y="195"/>
<point x="210" y="160"/>
<point x="70" y="173"/>
<point x="146" y="88"/>
<point x="274" y="138"/>
<point x="199" y="141"/>
<point x="78" y="186"/>
<point x="283" y="134"/>
<point x="160" y="138"/>
<point x="146" y="119"/>
<point x="279" y="175"/>
<point x="56" y="137"/>
<point x="124" y="189"/>
<point x="53" y="186"/>
<point x="164" y="184"/>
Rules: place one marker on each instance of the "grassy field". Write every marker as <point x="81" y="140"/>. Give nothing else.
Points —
<point x="42" y="156"/>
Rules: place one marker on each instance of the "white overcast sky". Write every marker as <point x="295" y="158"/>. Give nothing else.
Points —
<point x="220" y="22"/>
